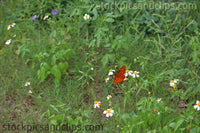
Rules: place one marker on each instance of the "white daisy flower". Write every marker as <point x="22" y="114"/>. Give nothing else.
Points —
<point x="108" y="112"/>
<point x="14" y="35"/>
<point x="171" y="83"/>
<point x="176" y="80"/>
<point x="12" y="24"/>
<point x="108" y="97"/>
<point x="92" y="68"/>
<point x="197" y="106"/>
<point x="45" y="17"/>
<point x="8" y="27"/>
<point x="106" y="79"/>
<point x="27" y="83"/>
<point x="158" y="113"/>
<point x="30" y="91"/>
<point x="159" y="99"/>
<point x="135" y="74"/>
<point x="128" y="72"/>
<point x="111" y="72"/>
<point x="8" y="42"/>
<point x="86" y="16"/>
<point x="97" y="104"/>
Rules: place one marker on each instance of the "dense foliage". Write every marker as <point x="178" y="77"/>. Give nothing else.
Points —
<point x="65" y="49"/>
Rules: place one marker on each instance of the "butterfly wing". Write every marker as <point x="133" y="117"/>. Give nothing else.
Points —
<point x="120" y="75"/>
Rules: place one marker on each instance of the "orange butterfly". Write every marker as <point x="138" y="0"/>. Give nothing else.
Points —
<point x="120" y="75"/>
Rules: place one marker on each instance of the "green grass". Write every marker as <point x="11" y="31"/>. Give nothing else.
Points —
<point x="56" y="56"/>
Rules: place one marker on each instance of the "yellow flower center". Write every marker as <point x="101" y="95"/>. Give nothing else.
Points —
<point x="198" y="104"/>
<point x="110" y="70"/>
<point x="106" y="79"/>
<point x="86" y="16"/>
<point x="127" y="71"/>
<point x="11" y="23"/>
<point x="95" y="102"/>
<point x="135" y="73"/>
<point x="159" y="100"/>
<point x="108" y="110"/>
<point x="26" y="83"/>
<point x="7" y="41"/>
<point x="171" y="81"/>
<point x="155" y="110"/>
<point x="99" y="104"/>
<point x="109" y="96"/>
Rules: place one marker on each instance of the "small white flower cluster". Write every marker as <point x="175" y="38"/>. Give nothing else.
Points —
<point x="197" y="106"/>
<point x="108" y="112"/>
<point x="11" y="25"/>
<point x="155" y="110"/>
<point x="108" y="97"/>
<point x="159" y="100"/>
<point x="8" y="42"/>
<point x="97" y="104"/>
<point x="8" y="28"/>
<point x="45" y="17"/>
<point x="134" y="74"/>
<point x="27" y="84"/>
<point x="86" y="16"/>
<point x="111" y="72"/>
<point x="173" y="83"/>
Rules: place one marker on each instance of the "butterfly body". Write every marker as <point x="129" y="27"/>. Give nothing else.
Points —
<point x="119" y="78"/>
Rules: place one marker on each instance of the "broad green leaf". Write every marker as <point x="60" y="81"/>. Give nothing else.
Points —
<point x="109" y="20"/>
<point x="178" y="124"/>
<point x="54" y="107"/>
<point x="173" y="124"/>
<point x="53" y="60"/>
<point x="56" y="72"/>
<point x="142" y="101"/>
<point x="104" y="60"/>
